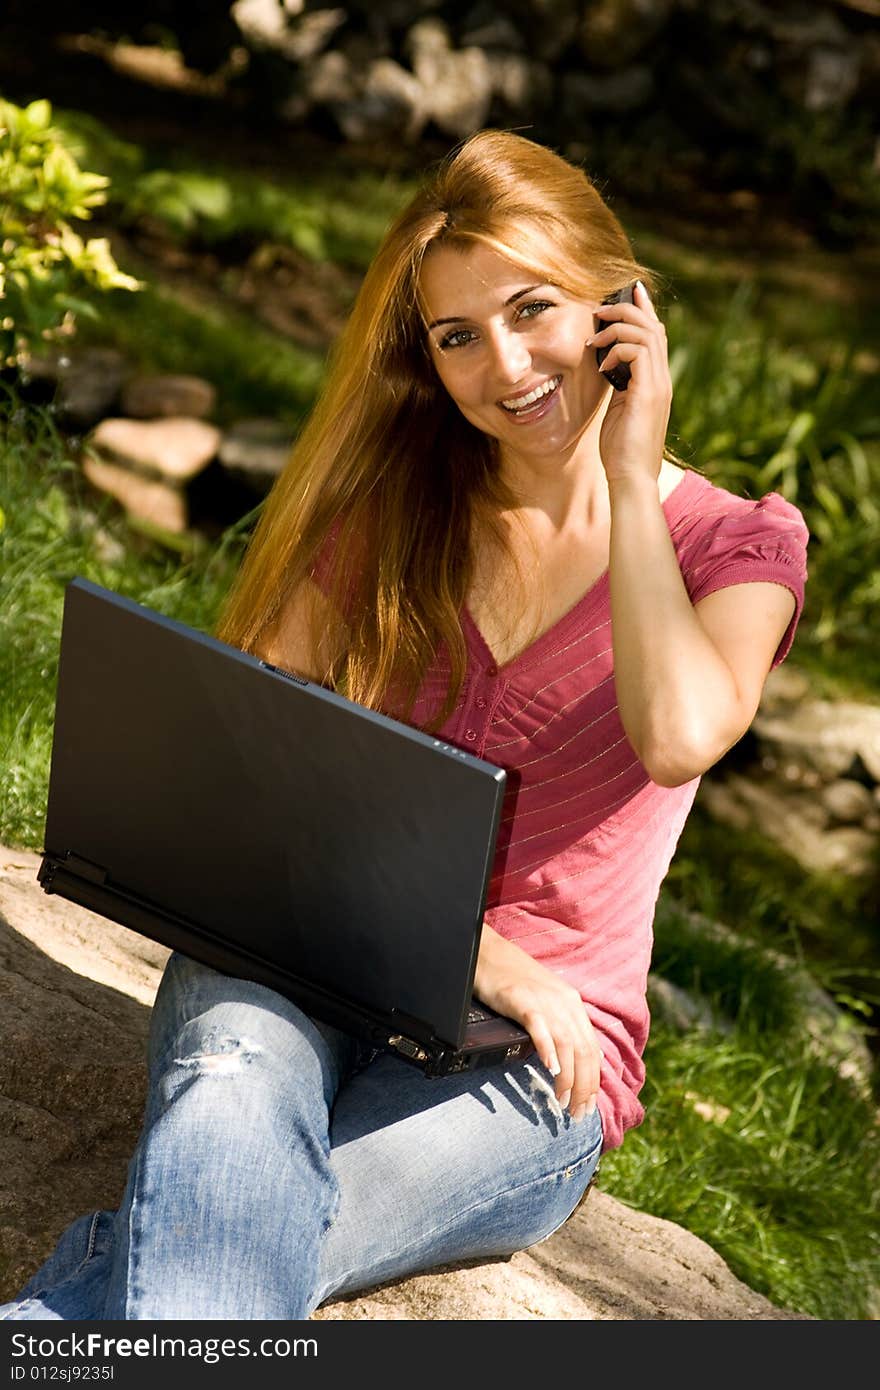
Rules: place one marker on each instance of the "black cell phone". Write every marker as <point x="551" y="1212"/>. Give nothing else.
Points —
<point x="618" y="376"/>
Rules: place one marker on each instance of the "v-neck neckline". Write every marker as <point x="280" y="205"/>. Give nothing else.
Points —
<point x="534" y="650"/>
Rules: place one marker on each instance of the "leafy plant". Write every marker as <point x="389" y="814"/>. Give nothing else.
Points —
<point x="766" y="1153"/>
<point x="45" y="264"/>
<point x="759" y="415"/>
<point x="57" y="527"/>
<point x="337" y="212"/>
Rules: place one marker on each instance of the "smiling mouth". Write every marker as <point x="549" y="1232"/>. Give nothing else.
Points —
<point x="522" y="405"/>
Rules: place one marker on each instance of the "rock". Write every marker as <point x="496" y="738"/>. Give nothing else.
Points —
<point x="795" y="822"/>
<point x="520" y="83"/>
<point x="549" y="26"/>
<point x="847" y="801"/>
<point x="606" y="1263"/>
<point x="312" y="32"/>
<point x="457" y="83"/>
<point x="149" y="465"/>
<point x="813" y="785"/>
<point x="85" y="383"/>
<point x="836" y="1037"/>
<point x="680" y="1009"/>
<point x="159" y="504"/>
<point x="827" y="736"/>
<point x="613" y="32"/>
<point x="784" y="686"/>
<point x="265" y="24"/>
<point x="76" y="993"/>
<point x="832" y="77"/>
<point x="583" y="94"/>
<point x="255" y="452"/>
<point x="484" y="27"/>
<point x="389" y="102"/>
<point x="88" y="388"/>
<point x="175" y="449"/>
<point x="164" y="395"/>
<point x="330" y="80"/>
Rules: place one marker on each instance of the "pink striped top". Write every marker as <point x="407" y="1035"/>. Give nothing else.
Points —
<point x="586" y="836"/>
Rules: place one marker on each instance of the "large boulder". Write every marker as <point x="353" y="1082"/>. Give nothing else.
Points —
<point x="75" y="996"/>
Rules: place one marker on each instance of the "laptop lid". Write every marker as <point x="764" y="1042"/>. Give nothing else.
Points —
<point x="340" y="844"/>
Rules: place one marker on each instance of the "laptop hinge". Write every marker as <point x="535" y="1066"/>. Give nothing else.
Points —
<point x="73" y="864"/>
<point x="413" y="1027"/>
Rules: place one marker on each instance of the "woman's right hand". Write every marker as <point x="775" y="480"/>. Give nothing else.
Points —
<point x="514" y="984"/>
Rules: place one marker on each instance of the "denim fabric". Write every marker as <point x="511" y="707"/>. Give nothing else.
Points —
<point x="282" y="1162"/>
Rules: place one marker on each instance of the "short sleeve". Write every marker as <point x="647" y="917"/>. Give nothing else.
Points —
<point x="752" y="543"/>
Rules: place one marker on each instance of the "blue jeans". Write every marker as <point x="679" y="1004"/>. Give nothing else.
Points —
<point x="282" y="1162"/>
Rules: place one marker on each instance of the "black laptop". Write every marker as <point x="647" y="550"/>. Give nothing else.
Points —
<point x="274" y="830"/>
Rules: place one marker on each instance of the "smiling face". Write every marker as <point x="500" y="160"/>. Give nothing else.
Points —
<point x="510" y="352"/>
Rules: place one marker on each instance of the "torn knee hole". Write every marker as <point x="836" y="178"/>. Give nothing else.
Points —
<point x="224" y="1057"/>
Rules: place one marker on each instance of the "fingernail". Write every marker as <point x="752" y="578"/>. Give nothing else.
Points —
<point x="590" y="1105"/>
<point x="578" y="1115"/>
<point x="565" y="1098"/>
<point x="588" y="343"/>
<point x="553" y="1067"/>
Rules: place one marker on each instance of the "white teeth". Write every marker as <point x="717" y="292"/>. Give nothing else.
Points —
<point x="523" y="402"/>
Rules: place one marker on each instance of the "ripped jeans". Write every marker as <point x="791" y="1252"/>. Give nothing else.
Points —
<point x="282" y="1162"/>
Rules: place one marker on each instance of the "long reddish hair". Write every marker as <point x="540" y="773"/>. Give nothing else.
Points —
<point x="387" y="472"/>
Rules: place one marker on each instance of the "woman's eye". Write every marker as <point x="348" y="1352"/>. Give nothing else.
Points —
<point x="459" y="337"/>
<point x="533" y="308"/>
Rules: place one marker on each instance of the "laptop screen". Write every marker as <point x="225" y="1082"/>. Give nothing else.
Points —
<point x="339" y="844"/>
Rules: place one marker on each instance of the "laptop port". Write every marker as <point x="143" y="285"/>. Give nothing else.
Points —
<point x="408" y="1047"/>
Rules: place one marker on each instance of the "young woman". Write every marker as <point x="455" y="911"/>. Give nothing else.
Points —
<point x="478" y="534"/>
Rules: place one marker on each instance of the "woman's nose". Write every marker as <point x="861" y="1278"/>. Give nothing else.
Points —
<point x="511" y="358"/>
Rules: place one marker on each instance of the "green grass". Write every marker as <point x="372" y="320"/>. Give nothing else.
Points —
<point x="328" y="213"/>
<point x="741" y="878"/>
<point x="257" y="371"/>
<point x="757" y="415"/>
<point x="760" y="1133"/>
<point x="54" y="529"/>
<point x="768" y="1155"/>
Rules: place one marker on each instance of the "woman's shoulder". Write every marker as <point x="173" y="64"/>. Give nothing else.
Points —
<point x="703" y="510"/>
<point x="722" y="538"/>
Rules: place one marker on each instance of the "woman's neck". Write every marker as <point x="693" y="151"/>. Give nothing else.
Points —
<point x="562" y="489"/>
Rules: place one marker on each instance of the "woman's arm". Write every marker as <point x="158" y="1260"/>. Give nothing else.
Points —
<point x="552" y="1012"/>
<point x="299" y="638"/>
<point x="688" y="677"/>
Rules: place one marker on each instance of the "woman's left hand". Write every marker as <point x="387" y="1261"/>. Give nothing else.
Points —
<point x="633" y="433"/>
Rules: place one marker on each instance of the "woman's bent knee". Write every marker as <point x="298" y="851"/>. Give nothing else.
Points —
<point x="220" y="1028"/>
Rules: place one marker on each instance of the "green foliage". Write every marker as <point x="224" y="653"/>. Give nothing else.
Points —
<point x="741" y="878"/>
<point x="759" y="1135"/>
<point x="756" y="415"/>
<point x="263" y="373"/>
<point x="57" y="529"/>
<point x="769" y="1155"/>
<point x="324" y="216"/>
<point x="328" y="213"/>
<point x="45" y="264"/>
<point x="832" y="173"/>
